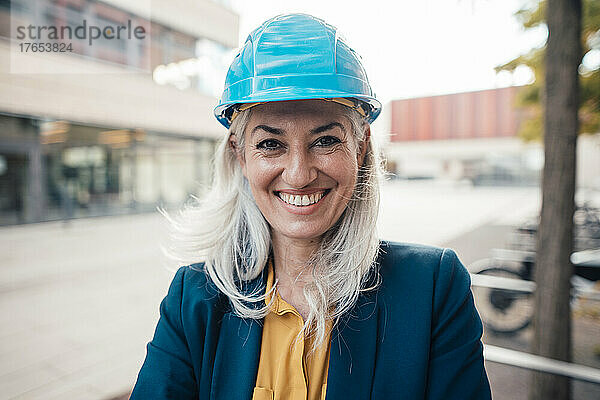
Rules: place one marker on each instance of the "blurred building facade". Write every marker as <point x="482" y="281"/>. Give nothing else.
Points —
<point x="114" y="127"/>
<point x="463" y="136"/>
<point x="472" y="136"/>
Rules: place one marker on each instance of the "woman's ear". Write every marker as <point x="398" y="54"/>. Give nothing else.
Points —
<point x="364" y="145"/>
<point x="233" y="144"/>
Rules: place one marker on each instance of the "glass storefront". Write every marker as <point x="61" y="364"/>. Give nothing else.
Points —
<point x="53" y="170"/>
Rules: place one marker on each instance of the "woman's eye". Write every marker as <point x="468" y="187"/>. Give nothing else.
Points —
<point x="269" y="144"/>
<point x="327" y="141"/>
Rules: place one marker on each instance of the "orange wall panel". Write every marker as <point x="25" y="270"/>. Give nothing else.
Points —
<point x="486" y="113"/>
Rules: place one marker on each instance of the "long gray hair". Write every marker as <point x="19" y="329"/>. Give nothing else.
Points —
<point x="227" y="231"/>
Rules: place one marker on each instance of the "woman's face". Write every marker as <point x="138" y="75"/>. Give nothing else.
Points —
<point x="301" y="160"/>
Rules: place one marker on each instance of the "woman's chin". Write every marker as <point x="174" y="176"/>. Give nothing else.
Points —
<point x="300" y="233"/>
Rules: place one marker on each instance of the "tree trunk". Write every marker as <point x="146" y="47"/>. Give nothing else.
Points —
<point x="552" y="321"/>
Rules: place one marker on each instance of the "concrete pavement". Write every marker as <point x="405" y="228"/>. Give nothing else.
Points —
<point x="78" y="303"/>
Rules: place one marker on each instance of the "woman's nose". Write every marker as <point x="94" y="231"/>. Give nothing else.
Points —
<point x="299" y="170"/>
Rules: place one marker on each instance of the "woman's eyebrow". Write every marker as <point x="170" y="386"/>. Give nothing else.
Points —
<point x="320" y="129"/>
<point x="267" y="128"/>
<point x="327" y="127"/>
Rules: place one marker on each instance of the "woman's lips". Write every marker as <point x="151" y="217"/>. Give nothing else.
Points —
<point x="302" y="203"/>
<point x="301" y="200"/>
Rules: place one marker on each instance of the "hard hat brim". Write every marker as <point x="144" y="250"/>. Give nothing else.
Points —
<point x="284" y="88"/>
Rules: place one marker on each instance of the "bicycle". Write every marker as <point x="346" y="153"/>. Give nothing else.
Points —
<point x="506" y="305"/>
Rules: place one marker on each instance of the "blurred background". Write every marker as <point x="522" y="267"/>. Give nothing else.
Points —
<point x="95" y="138"/>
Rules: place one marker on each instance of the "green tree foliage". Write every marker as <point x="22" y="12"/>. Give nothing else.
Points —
<point x="532" y="15"/>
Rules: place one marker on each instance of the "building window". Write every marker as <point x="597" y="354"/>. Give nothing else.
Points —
<point x="53" y="170"/>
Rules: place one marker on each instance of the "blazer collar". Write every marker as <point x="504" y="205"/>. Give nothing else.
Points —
<point x="351" y="360"/>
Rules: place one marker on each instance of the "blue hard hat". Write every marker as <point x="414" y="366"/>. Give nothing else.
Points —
<point x="296" y="57"/>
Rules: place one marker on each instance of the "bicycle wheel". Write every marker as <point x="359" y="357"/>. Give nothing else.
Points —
<point x="503" y="311"/>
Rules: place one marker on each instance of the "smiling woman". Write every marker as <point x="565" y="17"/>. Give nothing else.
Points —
<point x="296" y="151"/>
<point x="289" y="151"/>
<point x="289" y="293"/>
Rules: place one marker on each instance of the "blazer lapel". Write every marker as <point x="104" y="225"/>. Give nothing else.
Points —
<point x="237" y="354"/>
<point x="353" y="350"/>
<point x="236" y="359"/>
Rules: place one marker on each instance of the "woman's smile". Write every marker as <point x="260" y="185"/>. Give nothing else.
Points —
<point x="302" y="203"/>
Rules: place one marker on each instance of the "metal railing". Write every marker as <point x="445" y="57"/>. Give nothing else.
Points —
<point x="538" y="363"/>
<point x="580" y="288"/>
<point x="526" y="360"/>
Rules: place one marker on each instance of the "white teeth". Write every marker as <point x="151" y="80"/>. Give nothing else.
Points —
<point x="301" y="200"/>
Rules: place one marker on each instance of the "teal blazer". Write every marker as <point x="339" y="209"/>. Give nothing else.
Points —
<point x="418" y="336"/>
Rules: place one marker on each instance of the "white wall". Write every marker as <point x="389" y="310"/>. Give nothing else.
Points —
<point x="108" y="95"/>
<point x="588" y="161"/>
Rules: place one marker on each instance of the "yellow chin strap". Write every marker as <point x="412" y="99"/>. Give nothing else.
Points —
<point x="353" y="104"/>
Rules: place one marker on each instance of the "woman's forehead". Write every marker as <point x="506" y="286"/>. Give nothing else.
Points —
<point x="297" y="109"/>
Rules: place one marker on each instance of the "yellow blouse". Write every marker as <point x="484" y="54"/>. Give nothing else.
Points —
<point x="286" y="371"/>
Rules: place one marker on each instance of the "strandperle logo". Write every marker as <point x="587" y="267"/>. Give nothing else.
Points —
<point x="82" y="31"/>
